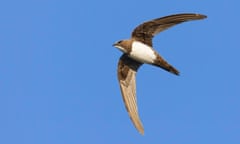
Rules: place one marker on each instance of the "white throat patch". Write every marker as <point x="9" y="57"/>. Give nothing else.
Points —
<point x="121" y="49"/>
<point x="142" y="52"/>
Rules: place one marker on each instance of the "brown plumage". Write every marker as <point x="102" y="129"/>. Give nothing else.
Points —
<point x="128" y="64"/>
<point x="160" y="62"/>
<point x="147" y="30"/>
<point x="127" y="69"/>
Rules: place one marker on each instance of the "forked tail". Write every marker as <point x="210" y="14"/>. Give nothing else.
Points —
<point x="160" y="62"/>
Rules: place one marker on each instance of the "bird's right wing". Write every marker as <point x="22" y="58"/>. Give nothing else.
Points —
<point x="127" y="69"/>
<point x="147" y="30"/>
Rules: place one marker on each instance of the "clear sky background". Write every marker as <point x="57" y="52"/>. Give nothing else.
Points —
<point x="58" y="81"/>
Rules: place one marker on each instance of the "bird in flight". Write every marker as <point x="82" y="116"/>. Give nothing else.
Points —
<point x="139" y="50"/>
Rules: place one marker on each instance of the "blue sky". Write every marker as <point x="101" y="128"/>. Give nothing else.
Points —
<point x="58" y="79"/>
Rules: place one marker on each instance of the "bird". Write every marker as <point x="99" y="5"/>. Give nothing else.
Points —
<point x="138" y="50"/>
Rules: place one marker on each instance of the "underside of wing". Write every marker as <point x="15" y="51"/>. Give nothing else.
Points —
<point x="147" y="30"/>
<point x="127" y="69"/>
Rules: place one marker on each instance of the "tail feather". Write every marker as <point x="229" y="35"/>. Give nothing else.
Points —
<point x="160" y="62"/>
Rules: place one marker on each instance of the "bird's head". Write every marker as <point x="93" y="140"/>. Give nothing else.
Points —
<point x="122" y="45"/>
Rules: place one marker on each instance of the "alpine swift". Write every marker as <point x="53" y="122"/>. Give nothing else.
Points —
<point x="139" y="50"/>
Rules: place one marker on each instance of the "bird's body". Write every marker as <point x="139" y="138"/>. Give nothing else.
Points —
<point x="139" y="50"/>
<point x="142" y="53"/>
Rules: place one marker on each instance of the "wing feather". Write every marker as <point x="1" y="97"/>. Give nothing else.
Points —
<point x="147" y="30"/>
<point x="127" y="69"/>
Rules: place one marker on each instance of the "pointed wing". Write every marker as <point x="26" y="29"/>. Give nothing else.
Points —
<point x="127" y="69"/>
<point x="147" y="30"/>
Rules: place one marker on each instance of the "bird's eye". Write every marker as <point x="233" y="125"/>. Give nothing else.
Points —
<point x="119" y="41"/>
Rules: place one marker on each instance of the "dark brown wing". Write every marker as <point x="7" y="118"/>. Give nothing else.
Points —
<point x="127" y="69"/>
<point x="147" y="30"/>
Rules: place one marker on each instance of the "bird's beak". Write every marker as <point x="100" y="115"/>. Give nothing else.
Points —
<point x="114" y="44"/>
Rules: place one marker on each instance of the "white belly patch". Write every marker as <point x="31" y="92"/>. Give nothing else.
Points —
<point x="142" y="52"/>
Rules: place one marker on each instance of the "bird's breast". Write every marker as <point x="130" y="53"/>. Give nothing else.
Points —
<point x="142" y="52"/>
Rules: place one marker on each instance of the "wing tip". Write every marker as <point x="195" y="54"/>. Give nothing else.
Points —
<point x="141" y="131"/>
<point x="138" y="125"/>
<point x="201" y="16"/>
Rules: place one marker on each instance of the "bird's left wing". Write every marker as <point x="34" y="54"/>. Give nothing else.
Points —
<point x="147" y="30"/>
<point x="127" y="69"/>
